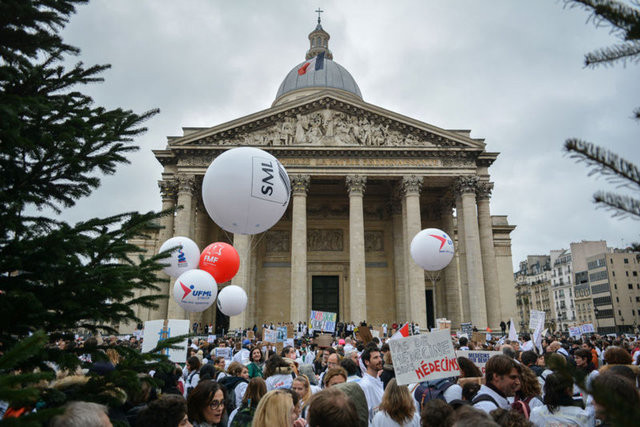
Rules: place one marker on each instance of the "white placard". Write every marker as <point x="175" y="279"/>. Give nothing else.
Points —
<point x="156" y="330"/>
<point x="269" y="335"/>
<point x="587" y="328"/>
<point x="575" y="331"/>
<point x="536" y="318"/>
<point x="479" y="358"/>
<point x="424" y="357"/>
<point x="211" y="338"/>
<point x="225" y="352"/>
<point x="288" y="342"/>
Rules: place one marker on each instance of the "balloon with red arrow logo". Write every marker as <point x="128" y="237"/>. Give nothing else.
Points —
<point x="432" y="249"/>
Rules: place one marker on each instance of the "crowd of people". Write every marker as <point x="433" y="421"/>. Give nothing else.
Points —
<point x="573" y="381"/>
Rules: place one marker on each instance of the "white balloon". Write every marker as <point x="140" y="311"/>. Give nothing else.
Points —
<point x="246" y="190"/>
<point x="232" y="300"/>
<point x="181" y="259"/>
<point x="195" y="290"/>
<point x="432" y="249"/>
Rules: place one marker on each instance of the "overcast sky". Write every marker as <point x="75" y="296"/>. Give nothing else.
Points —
<point x="510" y="70"/>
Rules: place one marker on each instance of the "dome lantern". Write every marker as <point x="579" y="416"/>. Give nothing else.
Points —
<point x="319" y="41"/>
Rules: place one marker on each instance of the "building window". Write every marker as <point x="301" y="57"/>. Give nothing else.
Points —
<point x="613" y="273"/>
<point x="617" y="299"/>
<point x="626" y="260"/>
<point x="630" y="286"/>
<point x="627" y="273"/>
<point x="619" y="313"/>
<point x="615" y="286"/>
<point x="635" y="274"/>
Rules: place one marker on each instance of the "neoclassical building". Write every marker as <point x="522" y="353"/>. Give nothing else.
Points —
<point x="364" y="181"/>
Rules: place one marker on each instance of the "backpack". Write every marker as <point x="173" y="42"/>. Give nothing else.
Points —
<point x="427" y="391"/>
<point x="484" y="398"/>
<point x="244" y="417"/>
<point x="188" y="382"/>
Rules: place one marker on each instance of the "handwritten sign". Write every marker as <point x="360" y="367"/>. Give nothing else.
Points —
<point x="575" y="331"/>
<point x="281" y="333"/>
<point x="158" y="330"/>
<point x="587" y="328"/>
<point x="269" y="335"/>
<point x="211" y="338"/>
<point x="479" y="357"/>
<point x="536" y="319"/>
<point x="225" y="352"/>
<point x="424" y="357"/>
<point x="467" y="328"/>
<point x="323" y="321"/>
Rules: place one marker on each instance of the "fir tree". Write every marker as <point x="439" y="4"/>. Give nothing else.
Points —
<point x="624" y="22"/>
<point x="57" y="278"/>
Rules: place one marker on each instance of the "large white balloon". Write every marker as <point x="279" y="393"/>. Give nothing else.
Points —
<point x="181" y="259"/>
<point x="232" y="300"/>
<point x="246" y="190"/>
<point x="195" y="290"/>
<point x="432" y="249"/>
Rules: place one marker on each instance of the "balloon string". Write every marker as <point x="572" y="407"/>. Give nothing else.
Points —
<point x="255" y="242"/>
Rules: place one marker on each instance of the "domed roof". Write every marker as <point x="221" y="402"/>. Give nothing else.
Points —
<point x="331" y="75"/>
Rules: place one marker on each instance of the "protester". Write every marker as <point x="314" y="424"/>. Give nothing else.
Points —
<point x="235" y="384"/>
<point x="528" y="392"/>
<point x="331" y="408"/>
<point x="302" y="387"/>
<point x="193" y="375"/>
<point x="277" y="373"/>
<point x="334" y="376"/>
<point x="468" y="369"/>
<point x="371" y="383"/>
<point x="243" y="415"/>
<point x="257" y="363"/>
<point x="397" y="408"/>
<point x="615" y="399"/>
<point x="206" y="405"/>
<point x="559" y="406"/>
<point x="168" y="411"/>
<point x="387" y="369"/>
<point x="502" y="380"/>
<point x="436" y="413"/>
<point x="276" y="409"/>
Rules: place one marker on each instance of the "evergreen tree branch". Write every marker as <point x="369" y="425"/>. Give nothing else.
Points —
<point x="622" y="206"/>
<point x="627" y="52"/>
<point x="623" y="19"/>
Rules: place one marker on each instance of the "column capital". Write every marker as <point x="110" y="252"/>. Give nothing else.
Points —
<point x="466" y="184"/>
<point x="186" y="184"/>
<point x="356" y="184"/>
<point x="484" y="189"/>
<point x="412" y="184"/>
<point x="300" y="184"/>
<point x="168" y="190"/>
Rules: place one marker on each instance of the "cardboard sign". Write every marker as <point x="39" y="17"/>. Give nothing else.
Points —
<point x="158" y="330"/>
<point x="575" y="331"/>
<point x="279" y="347"/>
<point x="466" y="328"/>
<point x="536" y="318"/>
<point x="587" y="328"/>
<point x="478" y="357"/>
<point x="269" y="335"/>
<point x="324" y="340"/>
<point x="424" y="357"/>
<point x="251" y="335"/>
<point x="323" y="321"/>
<point x="290" y="331"/>
<point x="365" y="334"/>
<point x="443" y="324"/>
<point x="479" y="337"/>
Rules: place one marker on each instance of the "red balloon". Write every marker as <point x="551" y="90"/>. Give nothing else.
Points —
<point x="221" y="260"/>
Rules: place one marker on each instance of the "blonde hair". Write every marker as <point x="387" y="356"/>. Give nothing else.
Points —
<point x="304" y="380"/>
<point x="397" y="402"/>
<point x="274" y="409"/>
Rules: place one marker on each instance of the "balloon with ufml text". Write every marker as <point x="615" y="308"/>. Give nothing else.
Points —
<point x="221" y="260"/>
<point x="184" y="257"/>
<point x="195" y="290"/>
<point x="246" y="190"/>
<point x="432" y="249"/>
<point x="232" y="300"/>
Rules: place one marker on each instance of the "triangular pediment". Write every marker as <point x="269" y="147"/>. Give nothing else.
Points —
<point x="327" y="119"/>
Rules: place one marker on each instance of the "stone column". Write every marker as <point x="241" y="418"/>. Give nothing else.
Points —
<point x="417" y="305"/>
<point x="477" y="303"/>
<point x="183" y="227"/>
<point x="489" y="265"/>
<point x="300" y="188"/>
<point x="242" y="244"/>
<point x="201" y="222"/>
<point x="450" y="282"/>
<point x="168" y="192"/>
<point x="399" y="256"/>
<point x="357" y="272"/>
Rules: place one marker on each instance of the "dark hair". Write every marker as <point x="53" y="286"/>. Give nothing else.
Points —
<point x="583" y="353"/>
<point x="251" y="354"/>
<point x="194" y="363"/>
<point x="285" y="350"/>
<point x="167" y="411"/>
<point x="436" y="412"/>
<point x="201" y="396"/>
<point x="366" y="355"/>
<point x="469" y="391"/>
<point x="463" y="341"/>
<point x="509" y="351"/>
<point x="207" y="372"/>
<point x="618" y="396"/>
<point x="499" y="365"/>
<point x="468" y="368"/>
<point x="622" y="371"/>
<point x="509" y="418"/>
<point x="349" y="365"/>
<point x="255" y="390"/>
<point x="529" y="358"/>
<point x="332" y="408"/>
<point x="272" y="364"/>
<point x="385" y="347"/>
<point x="617" y="356"/>
<point x="557" y="391"/>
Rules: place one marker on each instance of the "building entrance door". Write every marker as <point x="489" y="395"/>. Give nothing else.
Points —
<point x="431" y="319"/>
<point x="325" y="294"/>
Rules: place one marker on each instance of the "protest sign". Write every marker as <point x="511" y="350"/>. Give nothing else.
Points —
<point x="289" y="342"/>
<point x="443" y="323"/>
<point x="279" y="347"/>
<point x="375" y="333"/>
<point x="478" y="357"/>
<point x="281" y="333"/>
<point x="251" y="335"/>
<point x="323" y="321"/>
<point x="575" y="331"/>
<point x="211" y="338"/>
<point x="226" y="352"/>
<point x="158" y="330"/>
<point x="424" y="357"/>
<point x="269" y="335"/>
<point x="479" y="337"/>
<point x="587" y="328"/>
<point x="324" y="340"/>
<point x="536" y="319"/>
<point x="365" y="334"/>
<point x="466" y="328"/>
